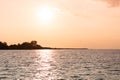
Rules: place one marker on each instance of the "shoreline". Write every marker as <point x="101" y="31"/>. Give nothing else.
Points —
<point x="50" y="49"/>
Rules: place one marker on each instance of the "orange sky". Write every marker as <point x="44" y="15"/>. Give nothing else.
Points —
<point x="77" y="23"/>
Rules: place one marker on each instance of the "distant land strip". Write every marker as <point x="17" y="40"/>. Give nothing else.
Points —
<point x="71" y="48"/>
<point x="29" y="46"/>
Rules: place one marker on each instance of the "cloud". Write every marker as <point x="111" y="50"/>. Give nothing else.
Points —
<point x="112" y="3"/>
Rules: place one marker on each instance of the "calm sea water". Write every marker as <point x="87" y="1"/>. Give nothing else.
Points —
<point x="59" y="64"/>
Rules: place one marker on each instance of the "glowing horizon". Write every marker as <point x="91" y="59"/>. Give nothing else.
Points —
<point x="61" y="23"/>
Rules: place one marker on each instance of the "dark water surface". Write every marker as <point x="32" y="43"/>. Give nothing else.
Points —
<point x="59" y="64"/>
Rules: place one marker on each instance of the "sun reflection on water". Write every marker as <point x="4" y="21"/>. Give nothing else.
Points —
<point x="44" y="70"/>
<point x="46" y="55"/>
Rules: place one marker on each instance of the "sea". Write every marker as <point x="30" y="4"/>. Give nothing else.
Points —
<point x="72" y="64"/>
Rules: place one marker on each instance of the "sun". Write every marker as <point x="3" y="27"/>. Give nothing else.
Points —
<point x="46" y="14"/>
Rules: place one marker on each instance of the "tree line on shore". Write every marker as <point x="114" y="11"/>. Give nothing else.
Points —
<point x="24" y="45"/>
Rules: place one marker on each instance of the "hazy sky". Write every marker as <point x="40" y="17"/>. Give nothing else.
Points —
<point x="75" y="23"/>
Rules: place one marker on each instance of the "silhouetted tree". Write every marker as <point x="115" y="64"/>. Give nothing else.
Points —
<point x="3" y="45"/>
<point x="14" y="46"/>
<point x="34" y="43"/>
<point x="24" y="45"/>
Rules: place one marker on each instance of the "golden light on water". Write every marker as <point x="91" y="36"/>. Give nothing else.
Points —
<point x="45" y="60"/>
<point x="46" y="55"/>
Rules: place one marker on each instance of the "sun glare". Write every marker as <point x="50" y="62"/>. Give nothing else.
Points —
<point x="46" y="14"/>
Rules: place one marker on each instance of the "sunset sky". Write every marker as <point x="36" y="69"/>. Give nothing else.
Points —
<point x="61" y="23"/>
